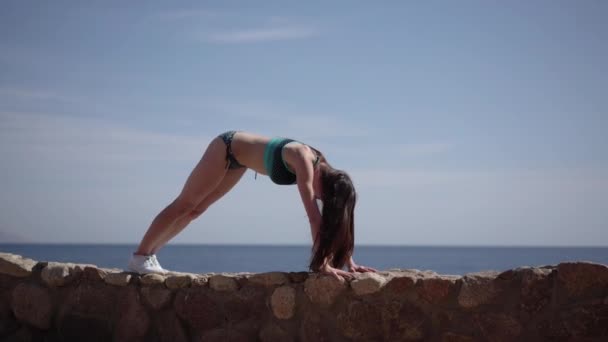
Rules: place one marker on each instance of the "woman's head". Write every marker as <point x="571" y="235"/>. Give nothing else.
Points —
<point x="337" y="231"/>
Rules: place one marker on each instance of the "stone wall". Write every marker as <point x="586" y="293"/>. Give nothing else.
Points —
<point x="46" y="301"/>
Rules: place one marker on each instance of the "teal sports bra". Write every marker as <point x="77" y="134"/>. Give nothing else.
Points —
<point x="277" y="169"/>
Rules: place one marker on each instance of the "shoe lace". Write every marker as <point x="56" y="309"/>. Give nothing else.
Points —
<point x="154" y="260"/>
<point x="149" y="262"/>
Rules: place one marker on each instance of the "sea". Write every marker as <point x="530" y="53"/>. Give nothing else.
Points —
<point x="455" y="260"/>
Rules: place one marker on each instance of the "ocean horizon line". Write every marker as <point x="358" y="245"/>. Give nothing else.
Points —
<point x="300" y="245"/>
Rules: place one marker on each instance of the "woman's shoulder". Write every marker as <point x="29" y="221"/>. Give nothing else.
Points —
<point x="301" y="151"/>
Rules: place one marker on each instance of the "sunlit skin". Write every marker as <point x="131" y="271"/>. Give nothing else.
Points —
<point x="211" y="179"/>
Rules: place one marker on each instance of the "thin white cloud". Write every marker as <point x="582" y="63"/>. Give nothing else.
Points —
<point x="262" y="29"/>
<point x="379" y="152"/>
<point x="277" y="120"/>
<point x="405" y="178"/>
<point x="183" y="14"/>
<point x="64" y="138"/>
<point x="319" y="127"/>
<point x="551" y="180"/>
<point x="260" y="35"/>
<point x="423" y="149"/>
<point x="35" y="94"/>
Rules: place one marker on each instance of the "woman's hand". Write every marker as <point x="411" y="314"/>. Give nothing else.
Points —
<point x="337" y="273"/>
<point x="358" y="268"/>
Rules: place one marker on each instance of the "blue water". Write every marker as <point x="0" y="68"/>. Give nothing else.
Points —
<point x="256" y="258"/>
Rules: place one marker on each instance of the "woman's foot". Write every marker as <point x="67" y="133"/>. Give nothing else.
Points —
<point x="144" y="264"/>
<point x="157" y="263"/>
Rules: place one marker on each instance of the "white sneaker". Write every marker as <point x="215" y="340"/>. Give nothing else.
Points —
<point x="143" y="264"/>
<point x="155" y="260"/>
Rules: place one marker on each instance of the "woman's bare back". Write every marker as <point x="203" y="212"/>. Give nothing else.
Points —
<point x="248" y="149"/>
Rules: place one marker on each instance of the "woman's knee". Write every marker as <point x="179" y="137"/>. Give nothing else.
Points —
<point x="199" y="209"/>
<point x="182" y="207"/>
<point x="194" y="214"/>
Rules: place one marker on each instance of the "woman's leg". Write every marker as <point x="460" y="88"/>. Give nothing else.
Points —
<point x="205" y="177"/>
<point x="230" y="179"/>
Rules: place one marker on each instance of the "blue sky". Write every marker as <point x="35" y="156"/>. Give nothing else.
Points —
<point x="461" y="123"/>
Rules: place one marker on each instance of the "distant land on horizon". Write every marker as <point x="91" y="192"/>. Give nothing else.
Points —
<point x="9" y="239"/>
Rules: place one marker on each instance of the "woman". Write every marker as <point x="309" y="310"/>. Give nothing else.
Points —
<point x="286" y="161"/>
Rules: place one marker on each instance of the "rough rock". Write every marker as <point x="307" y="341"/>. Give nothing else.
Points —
<point x="197" y="309"/>
<point x="536" y="289"/>
<point x="435" y="290"/>
<point x="367" y="283"/>
<point x="57" y="274"/>
<point x="220" y="282"/>
<point x="168" y="328"/>
<point x="298" y="277"/>
<point x="32" y="304"/>
<point x="454" y="337"/>
<point x="498" y="326"/>
<point x="274" y="333"/>
<point x="323" y="289"/>
<point x="8" y="322"/>
<point x="235" y="308"/>
<point x="152" y="279"/>
<point x="179" y="281"/>
<point x="75" y="302"/>
<point x="283" y="302"/>
<point x="477" y="288"/>
<point x="404" y="321"/>
<point x="552" y="328"/>
<point x="400" y="281"/>
<point x="585" y="321"/>
<point x="133" y="321"/>
<point x="269" y="279"/>
<point x="312" y="329"/>
<point x="94" y="273"/>
<point x="118" y="279"/>
<point x="156" y="297"/>
<point x="223" y="335"/>
<point x="89" y="302"/>
<point x="582" y="279"/>
<point x="201" y="281"/>
<point x="16" y="265"/>
<point x="360" y="321"/>
<point x="248" y="302"/>
<point x="73" y="327"/>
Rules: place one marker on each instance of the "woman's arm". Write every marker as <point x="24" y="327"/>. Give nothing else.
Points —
<point x="305" y="173"/>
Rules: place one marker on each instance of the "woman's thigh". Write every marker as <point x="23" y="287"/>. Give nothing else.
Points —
<point x="206" y="175"/>
<point x="230" y="179"/>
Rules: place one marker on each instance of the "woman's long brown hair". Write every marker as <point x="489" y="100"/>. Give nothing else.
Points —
<point x="336" y="238"/>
